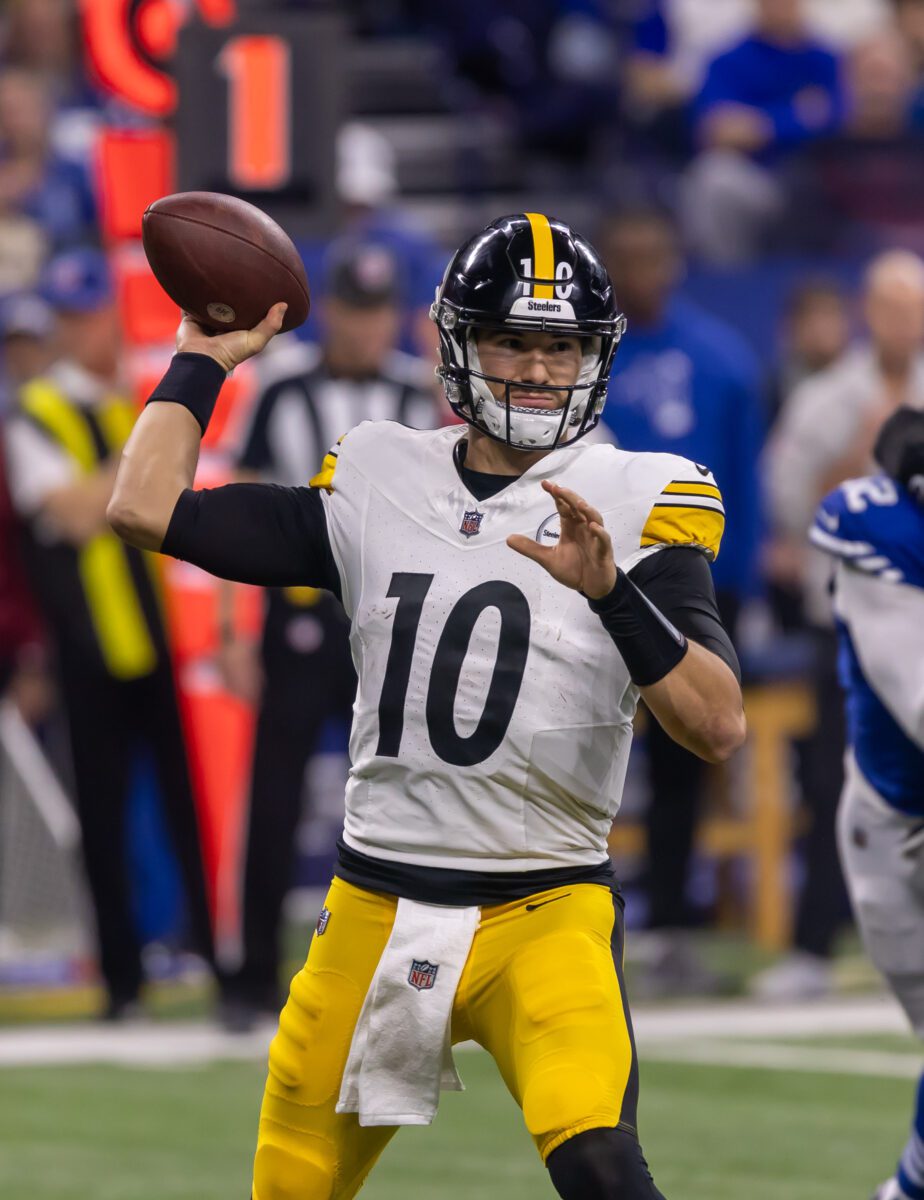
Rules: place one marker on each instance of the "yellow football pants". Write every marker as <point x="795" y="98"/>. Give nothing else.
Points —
<point x="541" y="992"/>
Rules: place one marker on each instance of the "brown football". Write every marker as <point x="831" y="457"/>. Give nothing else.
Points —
<point x="223" y="261"/>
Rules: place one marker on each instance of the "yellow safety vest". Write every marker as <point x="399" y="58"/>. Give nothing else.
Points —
<point x="118" y="618"/>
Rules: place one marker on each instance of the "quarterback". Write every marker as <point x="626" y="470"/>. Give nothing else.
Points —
<point x="513" y="591"/>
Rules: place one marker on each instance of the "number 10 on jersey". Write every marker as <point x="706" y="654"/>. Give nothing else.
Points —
<point x="410" y="590"/>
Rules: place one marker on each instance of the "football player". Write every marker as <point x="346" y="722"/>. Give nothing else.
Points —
<point x="874" y="530"/>
<point x="513" y="590"/>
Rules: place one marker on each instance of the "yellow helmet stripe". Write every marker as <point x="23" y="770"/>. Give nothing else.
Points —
<point x="543" y="254"/>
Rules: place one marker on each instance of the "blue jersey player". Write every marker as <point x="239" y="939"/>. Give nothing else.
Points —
<point x="874" y="530"/>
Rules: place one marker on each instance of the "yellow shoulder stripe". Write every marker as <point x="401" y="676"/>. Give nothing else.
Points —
<point x="679" y="525"/>
<point x="680" y="488"/>
<point x="325" y="477"/>
<point x="543" y="254"/>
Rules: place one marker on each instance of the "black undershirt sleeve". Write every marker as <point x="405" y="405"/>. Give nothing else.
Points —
<point x="256" y="533"/>
<point x="678" y="582"/>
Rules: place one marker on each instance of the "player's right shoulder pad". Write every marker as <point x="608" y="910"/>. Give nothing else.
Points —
<point x="324" y="479"/>
<point x="874" y="525"/>
<point x="378" y="451"/>
<point x="353" y="445"/>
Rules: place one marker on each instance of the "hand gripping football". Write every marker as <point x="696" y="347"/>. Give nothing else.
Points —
<point x="223" y="261"/>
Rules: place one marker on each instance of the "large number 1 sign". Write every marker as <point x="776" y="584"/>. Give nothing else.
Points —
<point x="259" y="105"/>
<point x="257" y="93"/>
<point x="258" y="70"/>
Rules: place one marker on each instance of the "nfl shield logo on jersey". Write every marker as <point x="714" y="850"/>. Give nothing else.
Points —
<point x="422" y="974"/>
<point x="471" y="522"/>
<point x="323" y="919"/>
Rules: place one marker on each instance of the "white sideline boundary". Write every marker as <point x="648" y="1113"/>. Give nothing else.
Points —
<point x="133" y="1044"/>
<point x="767" y="1056"/>
<point x="715" y="1035"/>
<point x="749" y="1019"/>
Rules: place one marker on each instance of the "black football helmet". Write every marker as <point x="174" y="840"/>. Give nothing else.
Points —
<point x="527" y="272"/>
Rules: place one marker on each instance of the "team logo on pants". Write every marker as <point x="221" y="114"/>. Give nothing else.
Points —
<point x="422" y="974"/>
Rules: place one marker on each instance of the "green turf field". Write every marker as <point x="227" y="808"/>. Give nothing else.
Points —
<point x="711" y="1133"/>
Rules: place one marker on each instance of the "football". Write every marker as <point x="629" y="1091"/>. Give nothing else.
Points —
<point x="223" y="261"/>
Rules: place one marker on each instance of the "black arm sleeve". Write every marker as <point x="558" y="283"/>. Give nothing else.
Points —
<point x="678" y="581"/>
<point x="255" y="533"/>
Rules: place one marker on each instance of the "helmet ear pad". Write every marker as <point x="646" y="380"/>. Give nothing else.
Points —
<point x="478" y="384"/>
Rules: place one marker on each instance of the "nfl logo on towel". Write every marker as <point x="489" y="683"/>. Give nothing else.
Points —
<point x="471" y="522"/>
<point x="422" y="975"/>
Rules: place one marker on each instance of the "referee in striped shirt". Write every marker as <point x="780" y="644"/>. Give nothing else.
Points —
<point x="302" y="674"/>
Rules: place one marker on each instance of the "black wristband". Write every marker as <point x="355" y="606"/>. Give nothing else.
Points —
<point x="193" y="380"/>
<point x="649" y="644"/>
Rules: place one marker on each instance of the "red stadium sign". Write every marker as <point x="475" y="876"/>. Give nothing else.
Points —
<point x="253" y="97"/>
<point x="126" y="40"/>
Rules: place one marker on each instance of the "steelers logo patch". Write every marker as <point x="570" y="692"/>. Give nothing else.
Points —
<point x="549" y="531"/>
<point x="221" y="312"/>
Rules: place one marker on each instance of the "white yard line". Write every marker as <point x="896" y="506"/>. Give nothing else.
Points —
<point x="137" y="1043"/>
<point x="704" y="1033"/>
<point x="768" y="1056"/>
<point x="747" y="1019"/>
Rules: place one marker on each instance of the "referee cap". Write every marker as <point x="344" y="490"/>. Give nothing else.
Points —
<point x="362" y="274"/>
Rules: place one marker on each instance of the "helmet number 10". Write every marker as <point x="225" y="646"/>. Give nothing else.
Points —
<point x="564" y="274"/>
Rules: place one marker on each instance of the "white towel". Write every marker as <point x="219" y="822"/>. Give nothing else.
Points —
<point x="401" y="1053"/>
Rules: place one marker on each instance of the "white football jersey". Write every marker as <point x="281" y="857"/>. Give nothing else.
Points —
<point x="493" y="717"/>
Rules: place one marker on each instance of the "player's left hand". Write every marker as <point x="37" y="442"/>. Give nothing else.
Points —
<point x="583" y="556"/>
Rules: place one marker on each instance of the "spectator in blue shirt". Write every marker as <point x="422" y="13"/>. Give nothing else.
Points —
<point x="683" y="383"/>
<point x="36" y="182"/>
<point x="656" y="90"/>
<point x="774" y="91"/>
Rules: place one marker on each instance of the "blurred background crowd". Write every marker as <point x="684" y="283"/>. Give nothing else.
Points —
<point x="752" y="172"/>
